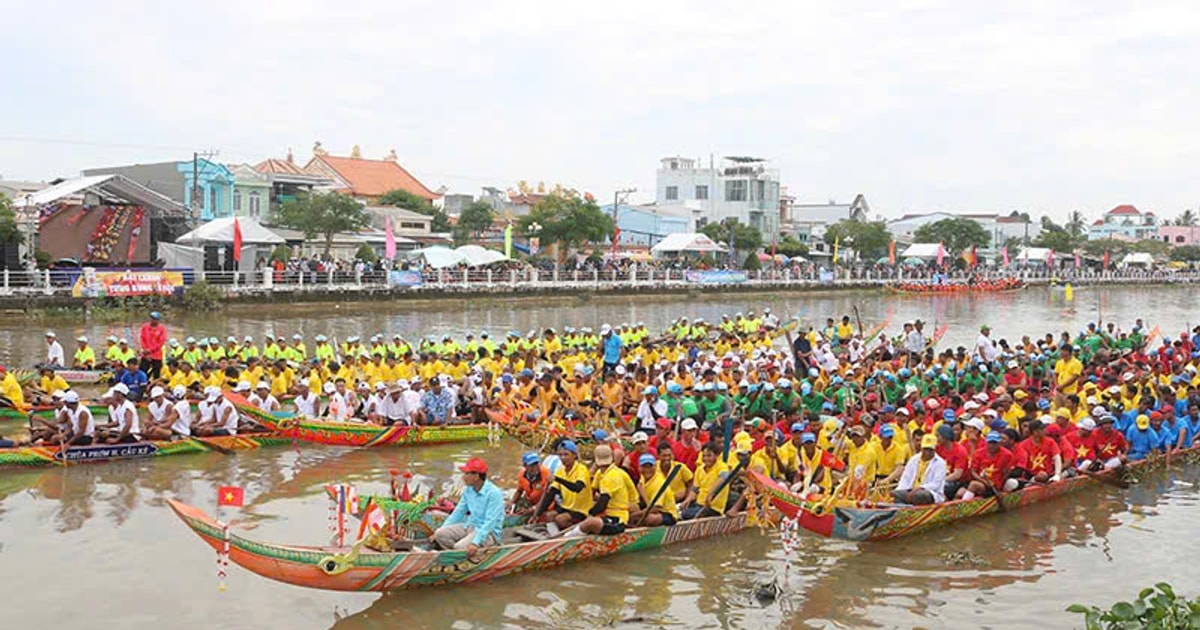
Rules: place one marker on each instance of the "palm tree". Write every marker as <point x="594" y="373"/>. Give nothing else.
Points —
<point x="1075" y="224"/>
<point x="1187" y="218"/>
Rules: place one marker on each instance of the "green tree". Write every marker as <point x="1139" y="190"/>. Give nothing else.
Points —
<point x="752" y="263"/>
<point x="10" y="232"/>
<point x="869" y="238"/>
<point x="957" y="234"/>
<point x="1056" y="237"/>
<point x="1186" y="218"/>
<point x="567" y="219"/>
<point x="403" y="199"/>
<point x="323" y="214"/>
<point x="476" y="217"/>
<point x="1098" y="247"/>
<point x="745" y="237"/>
<point x="791" y="247"/>
<point x="1014" y="245"/>
<point x="366" y="254"/>
<point x="1186" y="253"/>
<point x="1076" y="225"/>
<point x="1154" y="247"/>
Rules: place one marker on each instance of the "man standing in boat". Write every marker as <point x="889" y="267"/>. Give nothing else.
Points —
<point x="153" y="336"/>
<point x="478" y="519"/>
<point x="610" y="348"/>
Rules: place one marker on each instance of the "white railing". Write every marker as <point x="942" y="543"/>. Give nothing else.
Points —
<point x="51" y="282"/>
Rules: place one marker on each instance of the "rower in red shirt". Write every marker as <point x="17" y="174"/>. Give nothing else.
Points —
<point x="1108" y="445"/>
<point x="956" y="457"/>
<point x="990" y="465"/>
<point x="1041" y="455"/>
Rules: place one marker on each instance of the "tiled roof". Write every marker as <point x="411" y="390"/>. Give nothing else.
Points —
<point x="372" y="178"/>
<point x="1124" y="209"/>
<point x="278" y="166"/>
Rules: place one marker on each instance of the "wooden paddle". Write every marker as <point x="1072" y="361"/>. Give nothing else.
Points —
<point x="716" y="492"/>
<point x="666" y="485"/>
<point x="1110" y="478"/>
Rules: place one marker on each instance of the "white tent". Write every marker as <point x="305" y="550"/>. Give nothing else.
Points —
<point x="1036" y="254"/>
<point x="1138" y="258"/>
<point x="438" y="257"/>
<point x="686" y="242"/>
<point x="921" y="250"/>
<point x="477" y="256"/>
<point x="221" y="231"/>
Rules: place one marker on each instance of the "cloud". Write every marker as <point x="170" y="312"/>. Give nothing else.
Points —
<point x="922" y="105"/>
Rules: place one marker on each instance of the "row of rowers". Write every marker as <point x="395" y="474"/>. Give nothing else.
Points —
<point x="194" y="351"/>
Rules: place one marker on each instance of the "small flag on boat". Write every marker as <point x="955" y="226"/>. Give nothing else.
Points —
<point x="373" y="520"/>
<point x="230" y="496"/>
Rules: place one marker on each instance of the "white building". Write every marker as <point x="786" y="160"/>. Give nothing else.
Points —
<point x="999" y="227"/>
<point x="740" y="187"/>
<point x="808" y="221"/>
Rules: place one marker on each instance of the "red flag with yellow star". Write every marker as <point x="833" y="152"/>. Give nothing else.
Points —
<point x="230" y="495"/>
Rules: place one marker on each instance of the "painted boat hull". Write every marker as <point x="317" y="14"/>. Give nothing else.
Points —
<point x="375" y="571"/>
<point x="958" y="290"/>
<point x="886" y="522"/>
<point x="39" y="456"/>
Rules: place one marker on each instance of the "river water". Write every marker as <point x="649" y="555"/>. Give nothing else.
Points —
<point x="96" y="545"/>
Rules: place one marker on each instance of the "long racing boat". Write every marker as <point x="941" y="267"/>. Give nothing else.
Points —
<point x="53" y="455"/>
<point x="357" y="569"/>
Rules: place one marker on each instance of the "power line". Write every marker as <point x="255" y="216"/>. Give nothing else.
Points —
<point x="90" y="143"/>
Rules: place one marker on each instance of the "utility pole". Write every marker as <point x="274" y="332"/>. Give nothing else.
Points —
<point x="617" y="194"/>
<point x="197" y="192"/>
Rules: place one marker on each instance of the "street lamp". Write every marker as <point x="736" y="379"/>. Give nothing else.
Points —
<point x="29" y="220"/>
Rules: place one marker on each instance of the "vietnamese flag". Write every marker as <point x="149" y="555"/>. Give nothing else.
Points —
<point x="230" y="495"/>
<point x="237" y="240"/>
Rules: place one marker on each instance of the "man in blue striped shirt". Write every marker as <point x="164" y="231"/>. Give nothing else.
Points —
<point x="478" y="519"/>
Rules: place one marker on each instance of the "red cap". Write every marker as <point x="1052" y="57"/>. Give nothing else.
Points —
<point x="474" y="465"/>
<point x="1054" y="430"/>
<point x="3" y="368"/>
<point x="663" y="423"/>
<point x="1156" y="415"/>
<point x="872" y="397"/>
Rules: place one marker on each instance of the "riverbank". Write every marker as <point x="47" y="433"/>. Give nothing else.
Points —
<point x="469" y="288"/>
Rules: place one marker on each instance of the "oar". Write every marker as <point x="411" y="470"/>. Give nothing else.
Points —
<point x="1109" y="478"/>
<point x="666" y="485"/>
<point x="212" y="445"/>
<point x="716" y="492"/>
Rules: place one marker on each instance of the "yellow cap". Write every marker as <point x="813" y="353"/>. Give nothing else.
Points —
<point x="929" y="441"/>
<point x="1143" y="422"/>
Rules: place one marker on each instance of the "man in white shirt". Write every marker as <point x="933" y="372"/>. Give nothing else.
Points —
<point x="915" y="341"/>
<point x="54" y="351"/>
<point x="157" y="427"/>
<point x="307" y="404"/>
<point x="985" y="347"/>
<point x="412" y="398"/>
<point x="123" y="417"/>
<point x="393" y="409"/>
<point x="924" y="479"/>
<point x="82" y="424"/>
<point x="263" y="399"/>
<point x="337" y="408"/>
<point x="650" y="410"/>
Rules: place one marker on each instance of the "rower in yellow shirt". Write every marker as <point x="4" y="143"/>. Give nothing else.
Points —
<point x="664" y="510"/>
<point x="11" y="389"/>
<point x="615" y="495"/>
<point x="85" y="356"/>
<point x="51" y="382"/>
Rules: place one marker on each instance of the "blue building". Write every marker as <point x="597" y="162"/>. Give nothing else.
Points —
<point x="175" y="181"/>
<point x="644" y="226"/>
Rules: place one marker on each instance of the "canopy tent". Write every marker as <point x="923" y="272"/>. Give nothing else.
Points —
<point x="110" y="189"/>
<point x="692" y="242"/>
<point x="922" y="250"/>
<point x="1138" y="258"/>
<point x="477" y="256"/>
<point x="438" y="257"/>
<point x="1035" y="254"/>
<point x="221" y="231"/>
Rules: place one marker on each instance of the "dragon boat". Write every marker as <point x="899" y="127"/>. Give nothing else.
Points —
<point x="865" y="521"/>
<point x="355" y="569"/>
<point x="955" y="288"/>
<point x="53" y="455"/>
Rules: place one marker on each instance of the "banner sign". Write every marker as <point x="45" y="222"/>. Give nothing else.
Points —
<point x="404" y="279"/>
<point x="114" y="451"/>
<point x="825" y="277"/>
<point x="92" y="283"/>
<point x="716" y="277"/>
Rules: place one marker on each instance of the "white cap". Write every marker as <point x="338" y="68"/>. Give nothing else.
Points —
<point x="71" y="397"/>
<point x="328" y="387"/>
<point x="970" y="406"/>
<point x="1099" y="411"/>
<point x="688" y="424"/>
<point x="640" y="436"/>
<point x="242" y="386"/>
<point x="974" y="423"/>
<point x="212" y="392"/>
<point x="82" y="339"/>
<point x="262" y="385"/>
<point x="179" y="391"/>
<point x="402" y="383"/>
<point x="1087" y="424"/>
<point x="59" y="394"/>
<point x="121" y="388"/>
<point x="50" y="333"/>
<point x="156" y="392"/>
<point x="605" y="329"/>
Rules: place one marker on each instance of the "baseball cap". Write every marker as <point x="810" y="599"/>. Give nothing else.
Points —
<point x="993" y="436"/>
<point x="639" y="437"/>
<point x="529" y="459"/>
<point x="569" y="446"/>
<point x="646" y="460"/>
<point x="928" y="441"/>
<point x="474" y="465"/>
<point x="600" y="435"/>
<point x="603" y="455"/>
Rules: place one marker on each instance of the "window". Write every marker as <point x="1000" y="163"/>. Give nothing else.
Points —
<point x="410" y="225"/>
<point x="702" y="191"/>
<point x="255" y="203"/>
<point x="212" y="203"/>
<point x="1178" y="239"/>
<point x="237" y="201"/>
<point x="735" y="190"/>
<point x="672" y="193"/>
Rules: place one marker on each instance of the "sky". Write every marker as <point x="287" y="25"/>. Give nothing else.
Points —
<point x="921" y="105"/>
